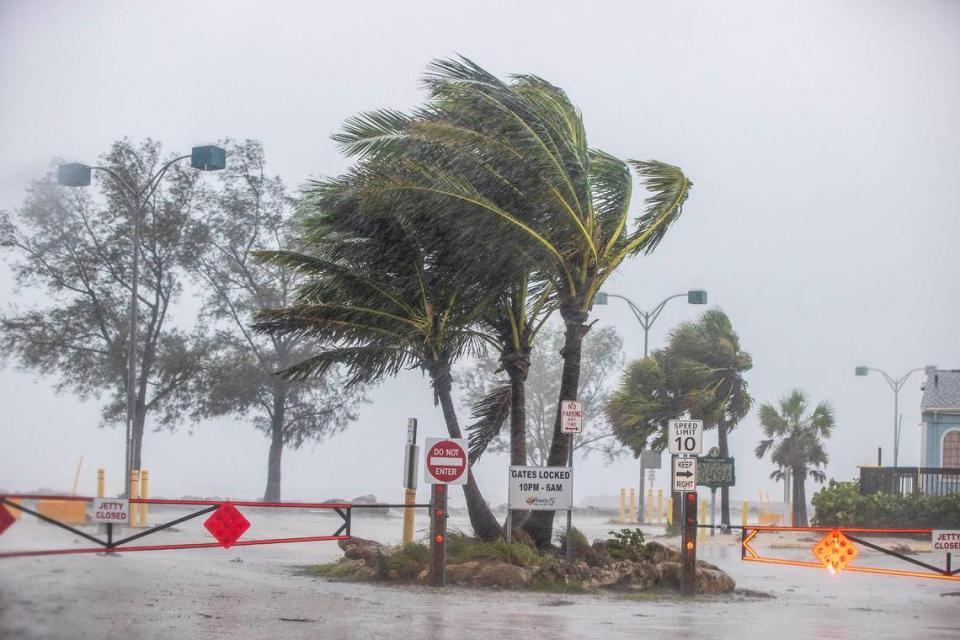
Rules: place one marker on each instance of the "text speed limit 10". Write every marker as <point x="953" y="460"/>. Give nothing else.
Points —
<point x="685" y="437"/>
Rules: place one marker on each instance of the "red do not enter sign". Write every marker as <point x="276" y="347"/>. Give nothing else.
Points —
<point x="446" y="461"/>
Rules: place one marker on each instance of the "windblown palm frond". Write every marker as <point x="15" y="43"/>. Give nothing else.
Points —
<point x="489" y="414"/>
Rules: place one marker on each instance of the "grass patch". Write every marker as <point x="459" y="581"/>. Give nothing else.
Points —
<point x="405" y="562"/>
<point x="331" y="570"/>
<point x="549" y="586"/>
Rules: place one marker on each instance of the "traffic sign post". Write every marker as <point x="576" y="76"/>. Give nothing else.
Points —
<point x="446" y="464"/>
<point x="438" y="535"/>
<point x="446" y="461"/>
<point x="688" y="552"/>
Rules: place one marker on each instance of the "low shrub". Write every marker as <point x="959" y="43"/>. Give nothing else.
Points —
<point x="407" y="561"/>
<point x="626" y="544"/>
<point x="840" y="504"/>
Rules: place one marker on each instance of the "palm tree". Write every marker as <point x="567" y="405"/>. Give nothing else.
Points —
<point x="795" y="439"/>
<point x="707" y="366"/>
<point x="513" y="156"/>
<point x="381" y="302"/>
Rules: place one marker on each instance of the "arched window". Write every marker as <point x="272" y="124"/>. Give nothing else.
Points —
<point x="951" y="449"/>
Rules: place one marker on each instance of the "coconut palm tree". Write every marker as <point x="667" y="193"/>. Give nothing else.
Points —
<point x="795" y="441"/>
<point x="513" y="156"/>
<point x="707" y="366"/>
<point x="380" y="301"/>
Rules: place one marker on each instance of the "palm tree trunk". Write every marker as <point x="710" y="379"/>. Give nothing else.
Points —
<point x="517" y="370"/>
<point x="799" y="496"/>
<point x="724" y="491"/>
<point x="540" y="523"/>
<point x="485" y="525"/>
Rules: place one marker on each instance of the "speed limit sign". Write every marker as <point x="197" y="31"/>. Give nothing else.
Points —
<point x="685" y="437"/>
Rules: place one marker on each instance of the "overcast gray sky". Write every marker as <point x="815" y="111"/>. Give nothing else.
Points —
<point x="822" y="138"/>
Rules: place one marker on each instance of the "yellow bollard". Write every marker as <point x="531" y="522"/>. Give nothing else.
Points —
<point x="670" y="511"/>
<point x="409" y="497"/>
<point x="703" y="518"/>
<point x="743" y="516"/>
<point x="144" y="493"/>
<point x="100" y="482"/>
<point x="134" y="493"/>
<point x="633" y="505"/>
<point x="623" y="505"/>
<point x="659" y="506"/>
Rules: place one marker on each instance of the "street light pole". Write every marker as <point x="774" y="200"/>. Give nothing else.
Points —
<point x="895" y="385"/>
<point x="75" y="174"/>
<point x="646" y="320"/>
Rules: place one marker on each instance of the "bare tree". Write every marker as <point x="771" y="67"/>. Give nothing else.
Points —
<point x="251" y="211"/>
<point x="75" y="246"/>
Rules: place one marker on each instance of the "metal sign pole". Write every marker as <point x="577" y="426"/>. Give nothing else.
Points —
<point x="569" y="550"/>
<point x="713" y="511"/>
<point x="410" y="480"/>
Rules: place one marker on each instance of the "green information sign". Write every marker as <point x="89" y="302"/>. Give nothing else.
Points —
<point x="716" y="472"/>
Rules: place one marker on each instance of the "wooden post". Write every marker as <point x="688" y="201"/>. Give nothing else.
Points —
<point x="688" y="550"/>
<point x="438" y="535"/>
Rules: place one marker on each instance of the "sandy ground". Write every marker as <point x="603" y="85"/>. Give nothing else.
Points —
<point x="256" y="592"/>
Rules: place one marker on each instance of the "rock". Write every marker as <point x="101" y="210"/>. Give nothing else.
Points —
<point x="659" y="553"/>
<point x="563" y="572"/>
<point x="638" y="576"/>
<point x="464" y="573"/>
<point x="361" y="549"/>
<point x="714" y="581"/>
<point x="709" y="578"/>
<point x="668" y="574"/>
<point x="502" y="575"/>
<point x="607" y="576"/>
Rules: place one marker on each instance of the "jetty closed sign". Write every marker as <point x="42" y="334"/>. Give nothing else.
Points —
<point x="946" y="541"/>
<point x="541" y="488"/>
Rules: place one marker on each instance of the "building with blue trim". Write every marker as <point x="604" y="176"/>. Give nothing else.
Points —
<point x="940" y="409"/>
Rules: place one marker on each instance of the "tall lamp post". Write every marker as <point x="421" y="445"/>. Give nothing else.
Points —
<point x="646" y="320"/>
<point x="895" y="385"/>
<point x="76" y="174"/>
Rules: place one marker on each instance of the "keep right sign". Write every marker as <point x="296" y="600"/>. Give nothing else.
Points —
<point x="946" y="541"/>
<point x="684" y="474"/>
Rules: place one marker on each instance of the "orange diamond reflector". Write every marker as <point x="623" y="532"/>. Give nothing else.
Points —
<point x="835" y="551"/>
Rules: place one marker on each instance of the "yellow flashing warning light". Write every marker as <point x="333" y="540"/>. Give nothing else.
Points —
<point x="835" y="551"/>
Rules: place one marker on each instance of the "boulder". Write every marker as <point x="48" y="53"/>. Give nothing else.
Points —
<point x="356" y="568"/>
<point x="502" y="575"/>
<point x="563" y="572"/>
<point x="668" y="574"/>
<point x="361" y="549"/>
<point x="464" y="573"/>
<point x="658" y="553"/>
<point x="638" y="576"/>
<point x="714" y="581"/>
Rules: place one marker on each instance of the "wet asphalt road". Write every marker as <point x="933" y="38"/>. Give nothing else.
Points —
<point x="255" y="592"/>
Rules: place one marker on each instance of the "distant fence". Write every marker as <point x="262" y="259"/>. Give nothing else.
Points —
<point x="931" y="481"/>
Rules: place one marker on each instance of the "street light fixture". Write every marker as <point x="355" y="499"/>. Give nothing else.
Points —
<point x="895" y="385"/>
<point x="647" y="318"/>
<point x="76" y="174"/>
